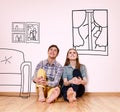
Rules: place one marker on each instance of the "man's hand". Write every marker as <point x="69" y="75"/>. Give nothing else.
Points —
<point x="41" y="81"/>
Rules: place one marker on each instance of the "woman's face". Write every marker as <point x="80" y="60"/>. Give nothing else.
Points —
<point x="72" y="54"/>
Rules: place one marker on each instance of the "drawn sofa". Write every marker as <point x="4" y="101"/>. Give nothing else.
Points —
<point x="15" y="72"/>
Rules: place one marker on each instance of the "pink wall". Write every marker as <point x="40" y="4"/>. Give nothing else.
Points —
<point x="56" y="28"/>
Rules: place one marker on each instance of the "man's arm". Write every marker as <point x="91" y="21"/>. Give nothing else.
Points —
<point x="34" y="78"/>
<point x="57" y="77"/>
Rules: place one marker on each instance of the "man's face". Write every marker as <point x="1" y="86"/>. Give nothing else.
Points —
<point x="52" y="52"/>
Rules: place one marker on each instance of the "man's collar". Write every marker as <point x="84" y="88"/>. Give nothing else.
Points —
<point x="47" y="62"/>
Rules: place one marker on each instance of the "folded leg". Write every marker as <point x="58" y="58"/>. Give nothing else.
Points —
<point x="71" y="95"/>
<point x="53" y="94"/>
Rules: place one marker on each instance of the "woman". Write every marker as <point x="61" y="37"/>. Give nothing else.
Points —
<point x="74" y="77"/>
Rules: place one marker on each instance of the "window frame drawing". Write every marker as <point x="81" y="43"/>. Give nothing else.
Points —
<point x="90" y="36"/>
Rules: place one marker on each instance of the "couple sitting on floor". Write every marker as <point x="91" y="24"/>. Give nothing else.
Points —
<point x="53" y="80"/>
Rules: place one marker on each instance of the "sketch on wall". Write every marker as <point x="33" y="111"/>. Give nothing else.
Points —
<point x="25" y="32"/>
<point x="18" y="37"/>
<point x="32" y="30"/>
<point x="16" y="70"/>
<point x="90" y="31"/>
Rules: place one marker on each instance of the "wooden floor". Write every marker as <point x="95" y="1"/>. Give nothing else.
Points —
<point x="88" y="103"/>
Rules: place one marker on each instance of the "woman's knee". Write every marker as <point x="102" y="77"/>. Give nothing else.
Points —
<point x="77" y="73"/>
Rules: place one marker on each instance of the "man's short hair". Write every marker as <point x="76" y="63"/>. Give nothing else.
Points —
<point x="55" y="47"/>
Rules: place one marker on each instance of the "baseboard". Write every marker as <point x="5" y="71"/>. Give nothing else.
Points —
<point x="93" y="93"/>
<point x="9" y="94"/>
<point x="14" y="94"/>
<point x="34" y="93"/>
<point x="103" y="93"/>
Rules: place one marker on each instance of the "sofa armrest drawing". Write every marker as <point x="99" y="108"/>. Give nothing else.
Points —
<point x="15" y="72"/>
<point x="26" y="77"/>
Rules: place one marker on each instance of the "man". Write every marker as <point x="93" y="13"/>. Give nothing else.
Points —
<point x="47" y="76"/>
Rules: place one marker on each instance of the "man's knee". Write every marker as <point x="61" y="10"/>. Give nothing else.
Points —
<point x="41" y="73"/>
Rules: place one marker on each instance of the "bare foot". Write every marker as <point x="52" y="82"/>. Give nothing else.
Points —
<point x="53" y="95"/>
<point x="71" y="95"/>
<point x="41" y="97"/>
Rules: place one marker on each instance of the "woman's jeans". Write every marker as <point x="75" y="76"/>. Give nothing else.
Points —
<point x="79" y="89"/>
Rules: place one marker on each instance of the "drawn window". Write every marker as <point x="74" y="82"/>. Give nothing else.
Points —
<point x="90" y="31"/>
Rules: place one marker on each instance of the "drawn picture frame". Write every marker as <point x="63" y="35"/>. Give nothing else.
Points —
<point x="18" y="26"/>
<point x="32" y="32"/>
<point x="18" y="37"/>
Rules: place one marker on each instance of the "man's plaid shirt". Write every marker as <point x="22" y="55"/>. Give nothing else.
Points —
<point x="53" y="72"/>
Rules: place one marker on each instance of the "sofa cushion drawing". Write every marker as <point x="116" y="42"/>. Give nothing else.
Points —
<point x="15" y="72"/>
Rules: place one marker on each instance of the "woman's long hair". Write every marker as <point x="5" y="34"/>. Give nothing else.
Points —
<point x="67" y="62"/>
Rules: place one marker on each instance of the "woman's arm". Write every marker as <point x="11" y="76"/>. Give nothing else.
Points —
<point x="77" y="81"/>
<point x="84" y="81"/>
<point x="66" y="82"/>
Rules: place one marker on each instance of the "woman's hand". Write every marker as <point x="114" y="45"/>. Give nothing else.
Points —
<point x="76" y="80"/>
